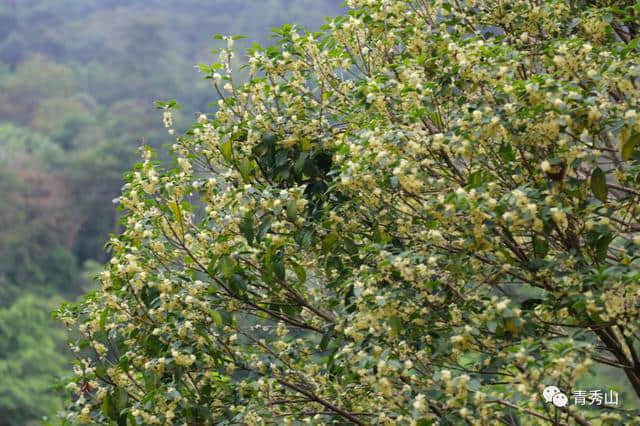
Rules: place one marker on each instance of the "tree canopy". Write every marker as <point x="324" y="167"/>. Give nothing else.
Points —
<point x="424" y="213"/>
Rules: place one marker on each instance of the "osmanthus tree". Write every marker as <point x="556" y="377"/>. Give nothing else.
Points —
<point x="423" y="214"/>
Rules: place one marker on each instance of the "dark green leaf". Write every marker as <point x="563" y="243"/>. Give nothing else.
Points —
<point x="506" y="153"/>
<point x="530" y="304"/>
<point x="304" y="237"/>
<point x="278" y="268"/>
<point x="540" y="246"/>
<point x="326" y="337"/>
<point x="246" y="227"/>
<point x="238" y="283"/>
<point x="269" y="139"/>
<point x="602" y="247"/>
<point x="599" y="184"/>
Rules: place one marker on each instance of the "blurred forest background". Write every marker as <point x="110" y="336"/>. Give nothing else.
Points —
<point x="78" y="82"/>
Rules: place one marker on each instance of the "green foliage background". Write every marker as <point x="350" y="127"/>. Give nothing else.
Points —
<point x="78" y="80"/>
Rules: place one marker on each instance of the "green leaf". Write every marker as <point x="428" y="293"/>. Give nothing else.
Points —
<point x="172" y="103"/>
<point x="121" y="398"/>
<point x="269" y="139"/>
<point x="396" y="324"/>
<point x="124" y="360"/>
<point x="225" y="148"/>
<point x="602" y="247"/>
<point x="150" y="379"/>
<point x="478" y="178"/>
<point x="599" y="184"/>
<point x="540" y="246"/>
<point x="204" y="68"/>
<point x="175" y="209"/>
<point x="246" y="227"/>
<point x="530" y="304"/>
<point x="435" y="117"/>
<point x="278" y="268"/>
<point x="227" y="318"/>
<point x="101" y="371"/>
<point x="626" y="148"/>
<point x="350" y="246"/>
<point x="292" y="209"/>
<point x="108" y="407"/>
<point x="300" y="273"/>
<point x="212" y="265"/>
<point x="152" y="345"/>
<point x="304" y="237"/>
<point x="103" y="319"/>
<point x="267" y="260"/>
<point x="264" y="227"/>
<point x="433" y="284"/>
<point x="506" y="153"/>
<point x="238" y="283"/>
<point x="216" y="317"/>
<point x="226" y="266"/>
<point x="300" y="161"/>
<point x="310" y="168"/>
<point x="326" y="337"/>
<point x="245" y="168"/>
<point x="329" y="242"/>
<point x="380" y="236"/>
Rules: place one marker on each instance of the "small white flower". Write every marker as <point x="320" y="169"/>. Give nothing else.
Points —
<point x="502" y="305"/>
<point x="420" y="403"/>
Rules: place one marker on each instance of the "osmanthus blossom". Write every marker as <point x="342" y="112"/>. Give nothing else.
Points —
<point x="423" y="214"/>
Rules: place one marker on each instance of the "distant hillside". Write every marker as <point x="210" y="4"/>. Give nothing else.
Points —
<point x="78" y="81"/>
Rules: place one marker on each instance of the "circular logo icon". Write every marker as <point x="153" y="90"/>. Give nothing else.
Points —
<point x="560" y="400"/>
<point x="553" y="395"/>
<point x="549" y="391"/>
